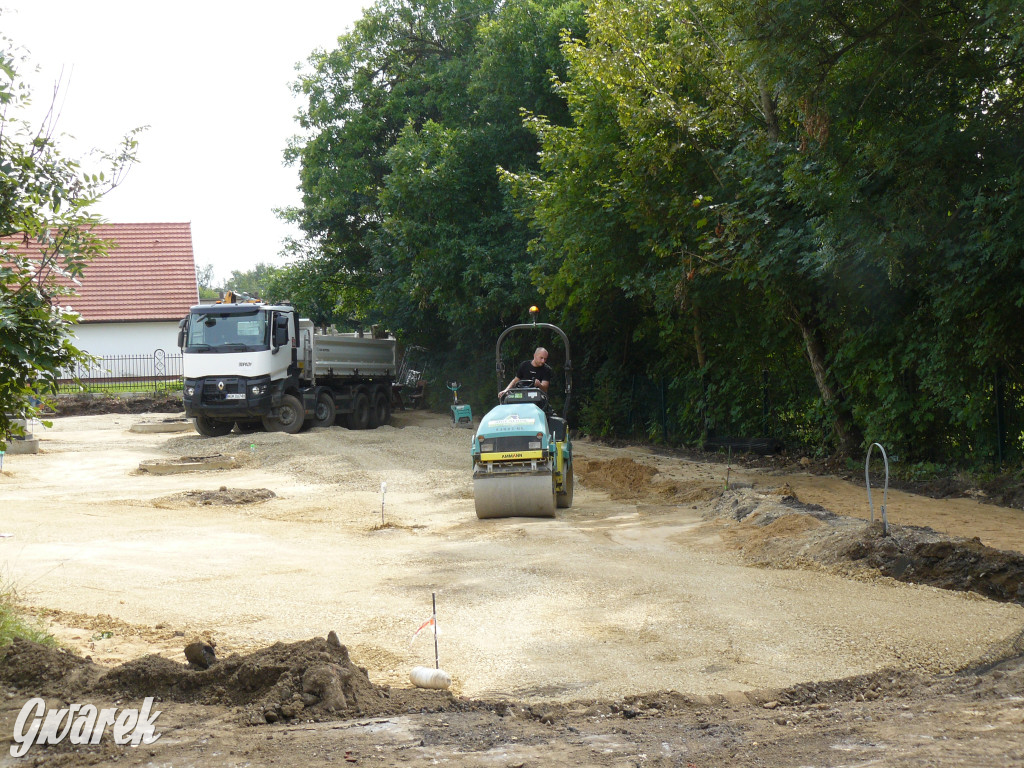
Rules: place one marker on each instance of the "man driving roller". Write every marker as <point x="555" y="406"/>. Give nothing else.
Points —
<point x="537" y="372"/>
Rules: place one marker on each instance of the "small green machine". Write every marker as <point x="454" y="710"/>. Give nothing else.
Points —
<point x="522" y="452"/>
<point x="462" y="414"/>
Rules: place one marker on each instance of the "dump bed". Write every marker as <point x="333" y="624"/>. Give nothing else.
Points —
<point x="351" y="354"/>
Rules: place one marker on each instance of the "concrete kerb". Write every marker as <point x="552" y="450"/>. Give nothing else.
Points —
<point x="26" y="445"/>
<point x="188" y="464"/>
<point x="171" y="424"/>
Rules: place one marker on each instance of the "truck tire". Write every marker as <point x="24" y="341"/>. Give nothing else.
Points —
<point x="360" y="416"/>
<point x="208" y="427"/>
<point x="381" y="413"/>
<point x="289" y="416"/>
<point x="325" y="411"/>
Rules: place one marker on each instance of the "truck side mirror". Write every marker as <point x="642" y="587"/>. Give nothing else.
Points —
<point x="182" y="324"/>
<point x="280" y="331"/>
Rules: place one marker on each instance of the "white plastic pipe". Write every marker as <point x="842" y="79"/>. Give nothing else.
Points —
<point x="425" y="677"/>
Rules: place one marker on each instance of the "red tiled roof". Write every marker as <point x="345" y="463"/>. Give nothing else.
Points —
<point x="149" y="274"/>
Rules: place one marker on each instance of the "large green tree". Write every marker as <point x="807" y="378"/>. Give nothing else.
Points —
<point x="46" y="224"/>
<point x="902" y="138"/>
<point x="408" y="121"/>
<point x="783" y="177"/>
<point x="751" y="217"/>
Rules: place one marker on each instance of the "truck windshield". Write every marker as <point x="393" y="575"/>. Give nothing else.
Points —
<point x="228" y="332"/>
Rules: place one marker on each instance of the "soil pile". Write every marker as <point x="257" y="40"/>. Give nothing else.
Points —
<point x="624" y="478"/>
<point x="87" y="404"/>
<point x="223" y="497"/>
<point x="45" y="670"/>
<point x="776" y="529"/>
<point x="311" y="680"/>
<point x="1004" y="489"/>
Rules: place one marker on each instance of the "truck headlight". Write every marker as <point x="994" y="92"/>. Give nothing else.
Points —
<point x="257" y="390"/>
<point x="190" y="391"/>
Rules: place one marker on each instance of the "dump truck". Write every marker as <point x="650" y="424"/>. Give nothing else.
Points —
<point x="522" y="451"/>
<point x="248" y="364"/>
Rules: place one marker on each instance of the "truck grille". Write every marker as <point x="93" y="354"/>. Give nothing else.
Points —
<point x="213" y="392"/>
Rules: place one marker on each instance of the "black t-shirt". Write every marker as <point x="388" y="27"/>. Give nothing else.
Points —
<point x="527" y="372"/>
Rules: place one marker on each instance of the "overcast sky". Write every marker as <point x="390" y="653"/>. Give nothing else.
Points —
<point x="210" y="79"/>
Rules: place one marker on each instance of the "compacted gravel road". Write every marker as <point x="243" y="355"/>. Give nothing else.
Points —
<point x="632" y="629"/>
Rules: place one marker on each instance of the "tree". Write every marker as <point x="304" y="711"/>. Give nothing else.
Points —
<point x="904" y="132"/>
<point x="408" y="120"/>
<point x="255" y="282"/>
<point x="204" y="279"/>
<point x="785" y="177"/>
<point x="316" y="289"/>
<point x="46" y="241"/>
<point x="407" y="123"/>
<point x="621" y="210"/>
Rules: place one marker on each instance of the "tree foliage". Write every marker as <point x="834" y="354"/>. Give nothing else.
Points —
<point x="205" y="279"/>
<point x="796" y="178"/>
<point x="786" y="219"/>
<point x="46" y="241"/>
<point x="406" y="125"/>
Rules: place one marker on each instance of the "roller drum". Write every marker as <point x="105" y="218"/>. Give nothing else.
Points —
<point x="514" y="495"/>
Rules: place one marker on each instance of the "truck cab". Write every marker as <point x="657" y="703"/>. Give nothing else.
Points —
<point x="248" y="363"/>
<point x="237" y="359"/>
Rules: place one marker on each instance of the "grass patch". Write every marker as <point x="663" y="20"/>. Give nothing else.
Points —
<point x="121" y="387"/>
<point x="13" y="624"/>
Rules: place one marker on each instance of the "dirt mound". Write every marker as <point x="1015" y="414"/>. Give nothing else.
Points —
<point x="1005" y="489"/>
<point x="776" y="530"/>
<point x="964" y="565"/>
<point x="224" y="497"/>
<point x="624" y="478"/>
<point x="311" y="679"/>
<point x="46" y="670"/>
<point x="88" y="404"/>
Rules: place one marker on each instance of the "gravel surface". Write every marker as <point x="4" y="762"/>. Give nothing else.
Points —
<point x="640" y="587"/>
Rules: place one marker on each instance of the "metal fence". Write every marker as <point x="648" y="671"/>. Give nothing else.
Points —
<point x="124" y="373"/>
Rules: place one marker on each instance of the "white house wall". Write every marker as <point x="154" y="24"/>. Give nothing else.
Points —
<point x="111" y="339"/>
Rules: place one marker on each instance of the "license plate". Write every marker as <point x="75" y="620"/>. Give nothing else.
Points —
<point x="235" y="396"/>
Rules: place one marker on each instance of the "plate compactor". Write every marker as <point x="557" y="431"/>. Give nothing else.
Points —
<point x="462" y="414"/>
<point x="522" y="454"/>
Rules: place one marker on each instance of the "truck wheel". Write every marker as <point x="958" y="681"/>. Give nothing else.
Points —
<point x="360" y="416"/>
<point x="325" y="411"/>
<point x="289" y="416"/>
<point x="208" y="427"/>
<point x="381" y="413"/>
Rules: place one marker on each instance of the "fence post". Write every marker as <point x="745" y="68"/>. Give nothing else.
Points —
<point x="1000" y="419"/>
<point x="158" y="369"/>
<point x="885" y="494"/>
<point x="664" y="412"/>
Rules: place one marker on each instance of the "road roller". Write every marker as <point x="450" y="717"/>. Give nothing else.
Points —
<point x="522" y="454"/>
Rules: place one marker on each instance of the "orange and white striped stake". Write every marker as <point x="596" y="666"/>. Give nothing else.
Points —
<point x="431" y="622"/>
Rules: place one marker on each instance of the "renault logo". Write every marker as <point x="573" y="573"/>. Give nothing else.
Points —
<point x="220" y="386"/>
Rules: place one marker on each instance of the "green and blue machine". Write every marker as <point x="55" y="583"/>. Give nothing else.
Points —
<point x="522" y="453"/>
<point x="462" y="414"/>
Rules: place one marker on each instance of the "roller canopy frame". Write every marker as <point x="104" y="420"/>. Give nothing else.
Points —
<point x="567" y="368"/>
